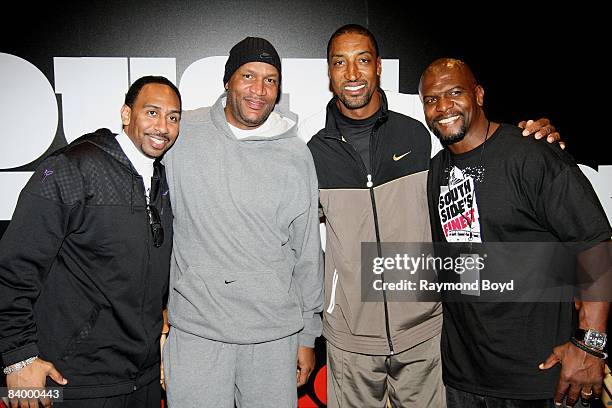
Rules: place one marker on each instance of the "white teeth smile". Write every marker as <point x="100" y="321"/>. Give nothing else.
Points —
<point x="448" y="120"/>
<point x="354" y="88"/>
<point x="158" y="141"/>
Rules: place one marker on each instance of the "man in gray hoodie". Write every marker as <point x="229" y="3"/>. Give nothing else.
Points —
<point x="246" y="280"/>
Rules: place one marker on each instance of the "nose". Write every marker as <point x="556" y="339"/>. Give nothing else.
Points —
<point x="259" y="88"/>
<point x="444" y="104"/>
<point x="162" y="124"/>
<point x="352" y="71"/>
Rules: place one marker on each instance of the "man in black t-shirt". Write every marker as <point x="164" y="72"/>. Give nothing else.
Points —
<point x="490" y="185"/>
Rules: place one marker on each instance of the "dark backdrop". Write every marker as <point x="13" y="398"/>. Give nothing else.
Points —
<point x="532" y="62"/>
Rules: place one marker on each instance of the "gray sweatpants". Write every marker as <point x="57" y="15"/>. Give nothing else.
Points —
<point x="206" y="373"/>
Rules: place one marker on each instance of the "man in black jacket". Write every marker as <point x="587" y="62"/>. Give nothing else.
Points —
<point x="84" y="263"/>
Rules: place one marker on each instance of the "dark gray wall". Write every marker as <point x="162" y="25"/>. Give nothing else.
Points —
<point x="533" y="62"/>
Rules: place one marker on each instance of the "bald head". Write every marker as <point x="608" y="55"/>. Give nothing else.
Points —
<point x="452" y="100"/>
<point x="445" y="66"/>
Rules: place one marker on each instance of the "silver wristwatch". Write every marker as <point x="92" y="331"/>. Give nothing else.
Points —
<point x="591" y="338"/>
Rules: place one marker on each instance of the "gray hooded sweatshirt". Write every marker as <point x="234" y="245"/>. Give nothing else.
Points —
<point x="247" y="260"/>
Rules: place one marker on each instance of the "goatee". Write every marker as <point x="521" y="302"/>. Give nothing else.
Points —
<point x="449" y="139"/>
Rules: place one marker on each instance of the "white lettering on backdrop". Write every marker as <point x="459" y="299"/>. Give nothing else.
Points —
<point x="91" y="92"/>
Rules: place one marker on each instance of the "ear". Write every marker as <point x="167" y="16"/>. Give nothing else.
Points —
<point x="378" y="66"/>
<point x="126" y="114"/>
<point x="479" y="95"/>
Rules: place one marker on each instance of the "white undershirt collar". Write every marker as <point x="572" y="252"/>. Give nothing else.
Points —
<point x="141" y="162"/>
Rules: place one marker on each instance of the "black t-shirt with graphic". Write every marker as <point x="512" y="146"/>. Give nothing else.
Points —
<point x="510" y="189"/>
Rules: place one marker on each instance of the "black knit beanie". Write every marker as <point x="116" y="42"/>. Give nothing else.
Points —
<point x="251" y="49"/>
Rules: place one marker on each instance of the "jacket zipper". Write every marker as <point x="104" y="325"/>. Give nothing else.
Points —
<point x="378" y="123"/>
<point x="145" y="292"/>
<point x="370" y="186"/>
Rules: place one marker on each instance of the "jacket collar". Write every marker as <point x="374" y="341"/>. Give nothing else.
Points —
<point x="106" y="141"/>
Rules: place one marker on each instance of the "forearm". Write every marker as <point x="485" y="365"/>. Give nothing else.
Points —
<point x="166" y="324"/>
<point x="595" y="273"/>
<point x="593" y="315"/>
<point x="308" y="271"/>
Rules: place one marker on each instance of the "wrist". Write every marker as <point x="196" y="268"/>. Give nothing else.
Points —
<point x="13" y="368"/>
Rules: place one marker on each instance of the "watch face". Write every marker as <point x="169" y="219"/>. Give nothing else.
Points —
<point x="595" y="339"/>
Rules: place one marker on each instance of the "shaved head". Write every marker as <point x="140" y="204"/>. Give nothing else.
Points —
<point x="443" y="65"/>
<point x="452" y="102"/>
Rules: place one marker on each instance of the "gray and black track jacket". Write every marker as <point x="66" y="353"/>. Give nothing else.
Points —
<point x="388" y="205"/>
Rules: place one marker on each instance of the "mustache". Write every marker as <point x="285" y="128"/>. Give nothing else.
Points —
<point x="355" y="83"/>
<point x="254" y="99"/>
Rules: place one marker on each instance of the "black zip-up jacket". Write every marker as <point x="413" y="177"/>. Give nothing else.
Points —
<point x="82" y="284"/>
<point x="388" y="205"/>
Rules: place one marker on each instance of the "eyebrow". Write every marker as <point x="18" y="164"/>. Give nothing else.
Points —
<point x="456" y="87"/>
<point x="159" y="108"/>
<point x="358" y="53"/>
<point x="251" y="72"/>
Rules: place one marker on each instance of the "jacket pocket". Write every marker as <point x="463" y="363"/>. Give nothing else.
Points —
<point x="244" y="307"/>
<point x="347" y="311"/>
<point x="81" y="334"/>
